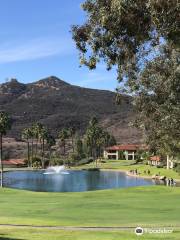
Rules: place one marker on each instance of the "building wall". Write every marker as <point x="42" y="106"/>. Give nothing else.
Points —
<point x="128" y="155"/>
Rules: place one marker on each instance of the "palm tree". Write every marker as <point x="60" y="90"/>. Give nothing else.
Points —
<point x="43" y="135"/>
<point x="27" y="135"/>
<point x="37" y="128"/>
<point x="91" y="136"/>
<point x="63" y="135"/>
<point x="51" y="141"/>
<point x="5" y="124"/>
<point x="71" y="135"/>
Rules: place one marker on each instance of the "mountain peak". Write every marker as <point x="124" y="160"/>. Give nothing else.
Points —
<point x="12" y="87"/>
<point x="51" y="82"/>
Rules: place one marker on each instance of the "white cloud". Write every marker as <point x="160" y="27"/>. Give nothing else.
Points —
<point x="99" y="75"/>
<point x="94" y="77"/>
<point x="35" y="49"/>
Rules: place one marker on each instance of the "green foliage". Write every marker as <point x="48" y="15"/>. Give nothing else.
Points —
<point x="96" y="139"/>
<point x="79" y="149"/>
<point x="36" y="162"/>
<point x="74" y="158"/>
<point x="56" y="161"/>
<point x="116" y="31"/>
<point x="35" y="136"/>
<point x="5" y="123"/>
<point x="177" y="168"/>
<point x="63" y="136"/>
<point x="85" y="161"/>
<point x="140" y="38"/>
<point x="158" y="103"/>
<point x="121" y="155"/>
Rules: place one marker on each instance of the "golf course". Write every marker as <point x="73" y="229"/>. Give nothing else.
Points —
<point x="151" y="207"/>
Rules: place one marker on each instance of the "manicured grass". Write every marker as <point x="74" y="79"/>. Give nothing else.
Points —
<point x="144" y="206"/>
<point x="44" y="234"/>
<point x="130" y="165"/>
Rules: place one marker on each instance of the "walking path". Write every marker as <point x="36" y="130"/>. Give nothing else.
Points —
<point x="71" y="228"/>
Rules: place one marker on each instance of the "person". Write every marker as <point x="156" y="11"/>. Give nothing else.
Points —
<point x="167" y="181"/>
<point x="172" y="182"/>
<point x="149" y="172"/>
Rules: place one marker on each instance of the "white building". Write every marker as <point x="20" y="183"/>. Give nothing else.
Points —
<point x="128" y="151"/>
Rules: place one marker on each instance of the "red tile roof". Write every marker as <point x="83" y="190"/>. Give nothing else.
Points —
<point x="125" y="147"/>
<point x="14" y="162"/>
<point x="155" y="158"/>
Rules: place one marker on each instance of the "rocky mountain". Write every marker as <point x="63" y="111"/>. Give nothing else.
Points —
<point x="58" y="104"/>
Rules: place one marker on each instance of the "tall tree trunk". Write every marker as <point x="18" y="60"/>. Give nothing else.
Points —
<point x="72" y="144"/>
<point x="96" y="157"/>
<point x="28" y="154"/>
<point x="64" y="148"/>
<point x="64" y="145"/>
<point x="1" y="163"/>
<point x="167" y="162"/>
<point x="50" y="153"/>
<point x="32" y="150"/>
<point x="36" y="148"/>
<point x="43" y="165"/>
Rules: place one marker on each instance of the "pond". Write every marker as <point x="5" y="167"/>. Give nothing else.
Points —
<point x="71" y="180"/>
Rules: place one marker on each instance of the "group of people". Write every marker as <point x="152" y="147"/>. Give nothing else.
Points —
<point x="135" y="172"/>
<point x="148" y="172"/>
<point x="170" y="182"/>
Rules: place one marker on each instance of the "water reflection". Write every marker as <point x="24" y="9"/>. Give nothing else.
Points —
<point x="75" y="181"/>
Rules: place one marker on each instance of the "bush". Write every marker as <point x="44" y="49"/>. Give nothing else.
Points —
<point x="36" y="162"/>
<point x="85" y="161"/>
<point x="160" y="166"/>
<point x="36" y="159"/>
<point x="56" y="161"/>
<point x="139" y="160"/>
<point x="177" y="167"/>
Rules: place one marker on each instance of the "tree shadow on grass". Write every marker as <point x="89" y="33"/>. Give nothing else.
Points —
<point x="2" y="237"/>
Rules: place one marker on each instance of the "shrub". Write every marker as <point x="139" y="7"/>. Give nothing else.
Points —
<point x="85" y="161"/>
<point x="36" y="159"/>
<point x="56" y="161"/>
<point x="177" y="167"/>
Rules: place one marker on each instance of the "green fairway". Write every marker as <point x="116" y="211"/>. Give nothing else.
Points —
<point x="44" y="234"/>
<point x="144" y="206"/>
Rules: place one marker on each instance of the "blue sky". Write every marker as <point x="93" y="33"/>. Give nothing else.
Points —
<point x="35" y="42"/>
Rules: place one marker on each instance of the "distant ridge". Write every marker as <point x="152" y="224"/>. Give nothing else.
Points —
<point x="58" y="104"/>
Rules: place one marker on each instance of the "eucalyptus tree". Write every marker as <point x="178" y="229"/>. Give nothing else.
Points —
<point x="141" y="40"/>
<point x="116" y="31"/>
<point x="27" y="136"/>
<point x="5" y="125"/>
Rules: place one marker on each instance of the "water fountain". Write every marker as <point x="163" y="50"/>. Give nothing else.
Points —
<point x="56" y="170"/>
